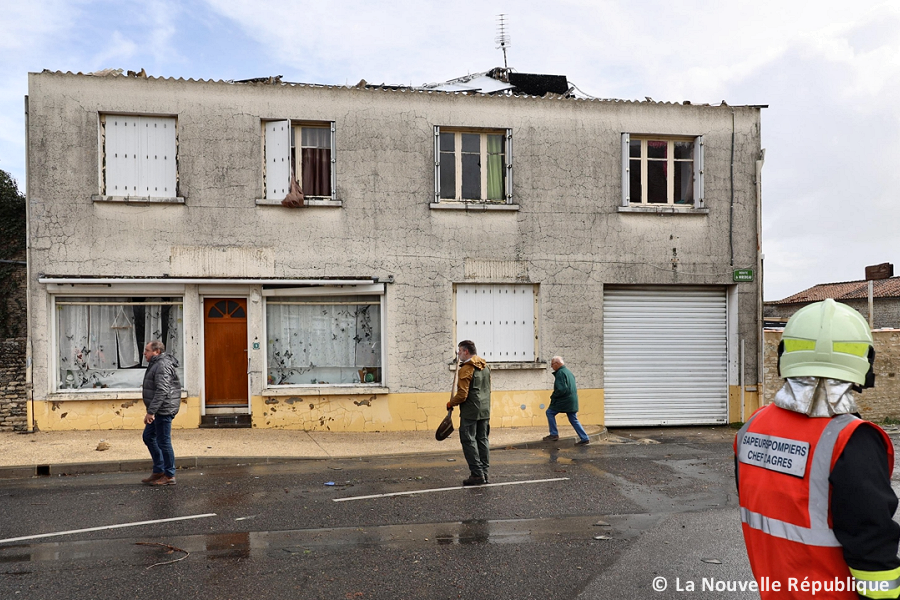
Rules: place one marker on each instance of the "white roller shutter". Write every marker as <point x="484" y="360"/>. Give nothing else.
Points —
<point x="665" y="355"/>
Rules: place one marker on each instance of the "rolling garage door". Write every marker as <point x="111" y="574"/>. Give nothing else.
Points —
<point x="664" y="355"/>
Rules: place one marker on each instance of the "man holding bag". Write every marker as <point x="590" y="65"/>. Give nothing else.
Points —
<point x="473" y="396"/>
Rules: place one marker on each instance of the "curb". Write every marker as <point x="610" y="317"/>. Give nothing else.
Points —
<point x="197" y="462"/>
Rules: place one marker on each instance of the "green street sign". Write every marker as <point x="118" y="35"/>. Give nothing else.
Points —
<point x="743" y="275"/>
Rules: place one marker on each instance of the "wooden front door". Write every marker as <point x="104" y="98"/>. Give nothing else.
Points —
<point x="225" y="330"/>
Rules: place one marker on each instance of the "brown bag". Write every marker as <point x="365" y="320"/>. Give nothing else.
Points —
<point x="295" y="198"/>
<point x="445" y="428"/>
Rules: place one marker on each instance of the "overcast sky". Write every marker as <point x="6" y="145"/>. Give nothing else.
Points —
<point x="829" y="71"/>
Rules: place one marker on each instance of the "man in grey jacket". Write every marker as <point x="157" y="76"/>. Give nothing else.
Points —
<point x="162" y="397"/>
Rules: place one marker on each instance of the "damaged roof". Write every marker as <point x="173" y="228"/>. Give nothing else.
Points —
<point x="495" y="82"/>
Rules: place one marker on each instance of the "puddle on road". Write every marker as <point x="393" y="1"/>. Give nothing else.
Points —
<point x="306" y="541"/>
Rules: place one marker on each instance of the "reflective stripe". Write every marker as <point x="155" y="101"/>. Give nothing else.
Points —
<point x="821" y="469"/>
<point x="789" y="531"/>
<point x="889" y="579"/>
<point x="819" y="533"/>
<point x="854" y="348"/>
<point x="792" y="345"/>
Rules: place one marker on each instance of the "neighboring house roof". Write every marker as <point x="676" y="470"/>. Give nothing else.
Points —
<point x="845" y="290"/>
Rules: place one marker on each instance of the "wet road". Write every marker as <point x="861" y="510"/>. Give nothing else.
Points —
<point x="666" y="509"/>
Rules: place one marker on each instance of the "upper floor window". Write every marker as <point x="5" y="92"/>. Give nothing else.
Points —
<point x="473" y="165"/>
<point x="139" y="156"/>
<point x="662" y="170"/>
<point x="301" y="150"/>
<point x="499" y="318"/>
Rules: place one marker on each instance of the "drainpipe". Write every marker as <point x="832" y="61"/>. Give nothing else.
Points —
<point x="760" y="365"/>
<point x="30" y="422"/>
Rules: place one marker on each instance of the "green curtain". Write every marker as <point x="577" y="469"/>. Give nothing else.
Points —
<point x="495" y="167"/>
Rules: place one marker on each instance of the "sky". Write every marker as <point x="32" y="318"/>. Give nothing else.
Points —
<point x="828" y="70"/>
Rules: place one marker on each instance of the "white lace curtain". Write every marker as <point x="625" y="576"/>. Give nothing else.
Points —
<point x="323" y="335"/>
<point x="103" y="337"/>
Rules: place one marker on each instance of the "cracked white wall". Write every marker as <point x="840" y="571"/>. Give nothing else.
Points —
<point x="567" y="232"/>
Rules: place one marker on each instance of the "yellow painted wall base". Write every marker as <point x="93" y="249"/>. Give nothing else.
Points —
<point x="390" y="412"/>
<point x="408" y="412"/>
<point x="86" y="415"/>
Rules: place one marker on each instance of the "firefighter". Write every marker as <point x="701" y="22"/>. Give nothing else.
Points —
<point x="814" y="479"/>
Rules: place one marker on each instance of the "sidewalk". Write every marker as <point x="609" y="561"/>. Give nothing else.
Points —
<point x="78" y="452"/>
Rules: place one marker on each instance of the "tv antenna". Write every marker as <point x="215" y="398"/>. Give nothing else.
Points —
<point x="502" y="37"/>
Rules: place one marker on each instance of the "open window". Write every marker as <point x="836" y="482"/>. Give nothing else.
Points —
<point x="303" y="150"/>
<point x="662" y="170"/>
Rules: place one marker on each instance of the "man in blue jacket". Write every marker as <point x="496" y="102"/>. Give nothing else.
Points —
<point x="564" y="399"/>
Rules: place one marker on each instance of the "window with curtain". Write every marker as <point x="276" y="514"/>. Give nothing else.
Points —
<point x="100" y="341"/>
<point x="472" y="166"/>
<point x="323" y="340"/>
<point x="303" y="150"/>
<point x="663" y="170"/>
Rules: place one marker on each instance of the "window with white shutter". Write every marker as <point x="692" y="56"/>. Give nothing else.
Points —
<point x="139" y="156"/>
<point x="303" y="150"/>
<point x="499" y="319"/>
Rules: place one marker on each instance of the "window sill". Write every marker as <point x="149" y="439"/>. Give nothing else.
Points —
<point x="99" y="394"/>
<point x="308" y="203"/>
<point x="473" y="206"/>
<point x="351" y="390"/>
<point x="510" y="366"/>
<point x="663" y="209"/>
<point x="137" y="199"/>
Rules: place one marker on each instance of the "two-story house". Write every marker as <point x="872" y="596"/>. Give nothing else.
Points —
<point x="608" y="232"/>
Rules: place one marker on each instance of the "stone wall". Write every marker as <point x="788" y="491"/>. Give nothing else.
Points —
<point x="13" y="410"/>
<point x="876" y="404"/>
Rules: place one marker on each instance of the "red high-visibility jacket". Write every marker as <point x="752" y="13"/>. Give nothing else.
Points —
<point x="784" y="460"/>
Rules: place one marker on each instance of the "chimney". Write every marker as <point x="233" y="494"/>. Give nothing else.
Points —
<point x="882" y="271"/>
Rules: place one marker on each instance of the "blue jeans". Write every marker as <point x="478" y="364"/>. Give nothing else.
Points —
<point x="158" y="438"/>
<point x="573" y="419"/>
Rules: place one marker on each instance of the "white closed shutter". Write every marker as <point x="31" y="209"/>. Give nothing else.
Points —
<point x="140" y="154"/>
<point x="278" y="159"/>
<point x="158" y="146"/>
<point x="122" y="147"/>
<point x="498" y="318"/>
<point x="665" y="355"/>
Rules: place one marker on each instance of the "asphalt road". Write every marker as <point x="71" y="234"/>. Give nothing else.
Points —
<point x="660" y="510"/>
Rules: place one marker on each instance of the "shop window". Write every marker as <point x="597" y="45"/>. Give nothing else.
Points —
<point x="324" y="340"/>
<point x="100" y="341"/>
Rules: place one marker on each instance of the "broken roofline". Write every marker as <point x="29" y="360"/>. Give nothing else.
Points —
<point x="363" y="85"/>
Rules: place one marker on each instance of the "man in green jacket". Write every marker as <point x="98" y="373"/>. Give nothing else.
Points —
<point x="564" y="399"/>
<point x="473" y="396"/>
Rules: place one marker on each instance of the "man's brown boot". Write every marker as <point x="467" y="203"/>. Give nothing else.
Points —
<point x="153" y="477"/>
